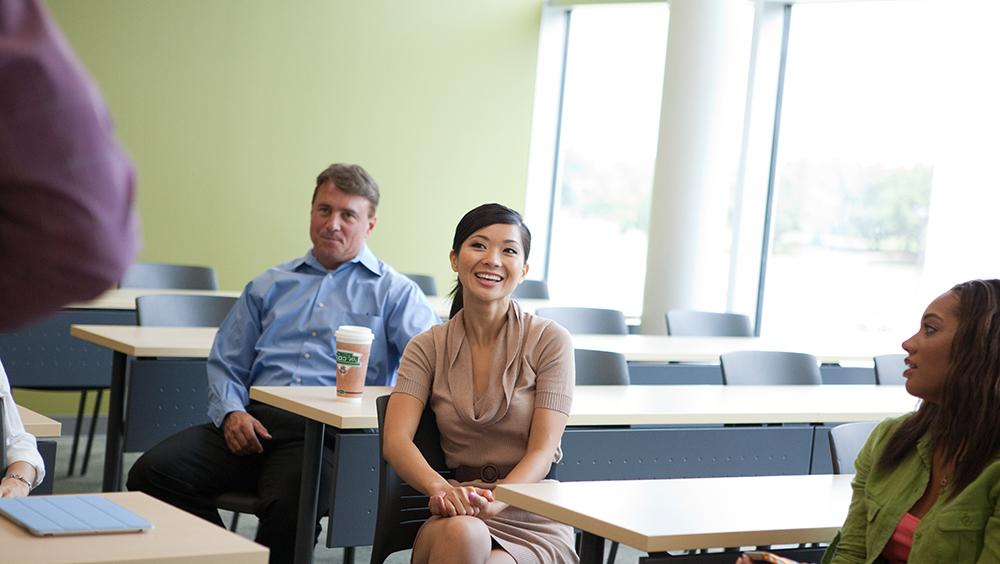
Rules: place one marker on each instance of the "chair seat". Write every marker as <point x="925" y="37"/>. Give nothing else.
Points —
<point x="239" y="502"/>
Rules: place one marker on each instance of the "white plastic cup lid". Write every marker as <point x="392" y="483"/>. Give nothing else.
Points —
<point x="354" y="334"/>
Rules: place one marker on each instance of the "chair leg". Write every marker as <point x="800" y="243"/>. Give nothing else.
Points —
<point x="76" y="432"/>
<point x="93" y="430"/>
<point x="236" y="519"/>
<point x="613" y="552"/>
<point x="348" y="555"/>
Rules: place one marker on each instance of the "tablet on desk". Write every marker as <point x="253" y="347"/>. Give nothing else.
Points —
<point x="71" y="515"/>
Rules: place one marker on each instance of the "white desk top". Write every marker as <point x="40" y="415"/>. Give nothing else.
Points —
<point x="643" y="405"/>
<point x="176" y="537"/>
<point x="662" y="348"/>
<point x="133" y="340"/>
<point x="120" y="298"/>
<point x="658" y="515"/>
<point x="592" y="405"/>
<point x="714" y="404"/>
<point x="197" y="341"/>
<point x="38" y="424"/>
<point x="320" y="403"/>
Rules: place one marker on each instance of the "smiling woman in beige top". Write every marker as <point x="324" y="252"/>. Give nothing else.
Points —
<point x="500" y="383"/>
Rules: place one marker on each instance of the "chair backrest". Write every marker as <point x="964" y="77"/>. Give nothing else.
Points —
<point x="426" y="282"/>
<point x="168" y="395"/>
<point x="169" y="276"/>
<point x="845" y="443"/>
<point x="401" y="508"/>
<point x="182" y="311"/>
<point x="600" y="368"/>
<point x="586" y="320"/>
<point x="689" y="323"/>
<point x="532" y="290"/>
<point x="889" y="369"/>
<point x="760" y="368"/>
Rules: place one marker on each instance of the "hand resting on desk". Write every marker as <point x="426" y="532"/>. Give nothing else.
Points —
<point x="240" y="430"/>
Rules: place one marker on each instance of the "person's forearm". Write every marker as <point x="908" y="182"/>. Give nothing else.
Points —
<point x="533" y="467"/>
<point x="22" y="469"/>
<point x="412" y="467"/>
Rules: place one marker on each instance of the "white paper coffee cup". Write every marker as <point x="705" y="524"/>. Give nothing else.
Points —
<point x="354" y="345"/>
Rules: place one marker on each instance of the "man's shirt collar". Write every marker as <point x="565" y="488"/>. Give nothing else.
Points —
<point x="365" y="257"/>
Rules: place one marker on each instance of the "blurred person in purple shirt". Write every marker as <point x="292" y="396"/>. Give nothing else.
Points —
<point x="67" y="229"/>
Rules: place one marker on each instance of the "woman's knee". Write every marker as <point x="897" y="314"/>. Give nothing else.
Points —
<point x="465" y="537"/>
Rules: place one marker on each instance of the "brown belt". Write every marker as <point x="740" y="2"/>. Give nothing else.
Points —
<point x="488" y="473"/>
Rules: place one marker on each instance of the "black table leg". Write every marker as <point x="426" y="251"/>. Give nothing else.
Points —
<point x="591" y="549"/>
<point x="116" y="418"/>
<point x="312" y="458"/>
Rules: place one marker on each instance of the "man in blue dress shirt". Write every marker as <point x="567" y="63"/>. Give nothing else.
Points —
<point x="281" y="333"/>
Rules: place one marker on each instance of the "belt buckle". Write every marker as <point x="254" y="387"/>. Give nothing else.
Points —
<point x="489" y="473"/>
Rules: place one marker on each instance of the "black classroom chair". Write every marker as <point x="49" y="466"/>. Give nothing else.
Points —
<point x="401" y="508"/>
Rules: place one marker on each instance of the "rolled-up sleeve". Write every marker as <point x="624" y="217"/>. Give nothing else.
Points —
<point x="19" y="444"/>
<point x="67" y="227"/>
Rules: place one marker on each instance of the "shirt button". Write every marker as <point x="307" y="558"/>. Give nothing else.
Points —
<point x="321" y="304"/>
<point x="306" y="355"/>
<point x="313" y="333"/>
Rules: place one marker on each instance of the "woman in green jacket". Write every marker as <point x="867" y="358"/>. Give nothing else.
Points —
<point x="927" y="487"/>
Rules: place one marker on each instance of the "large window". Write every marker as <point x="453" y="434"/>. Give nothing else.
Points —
<point x="608" y="131"/>
<point x="883" y="192"/>
<point x="854" y="169"/>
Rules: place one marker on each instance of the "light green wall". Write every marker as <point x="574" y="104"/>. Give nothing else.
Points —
<point x="230" y="108"/>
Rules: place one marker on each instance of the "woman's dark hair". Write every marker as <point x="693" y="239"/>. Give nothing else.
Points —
<point x="476" y="219"/>
<point x="964" y="424"/>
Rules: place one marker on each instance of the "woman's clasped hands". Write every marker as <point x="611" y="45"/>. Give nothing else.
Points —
<point x="464" y="500"/>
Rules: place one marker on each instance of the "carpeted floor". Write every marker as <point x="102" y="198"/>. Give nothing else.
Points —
<point x="91" y="483"/>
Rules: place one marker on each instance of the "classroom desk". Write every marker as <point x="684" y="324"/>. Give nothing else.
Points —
<point x="320" y="407"/>
<point x="598" y="406"/>
<point x="135" y="341"/>
<point x="661" y="515"/>
<point x="176" y="537"/>
<point x="663" y="348"/>
<point x="44" y="356"/>
<point x="39" y="425"/>
<point x="595" y="406"/>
